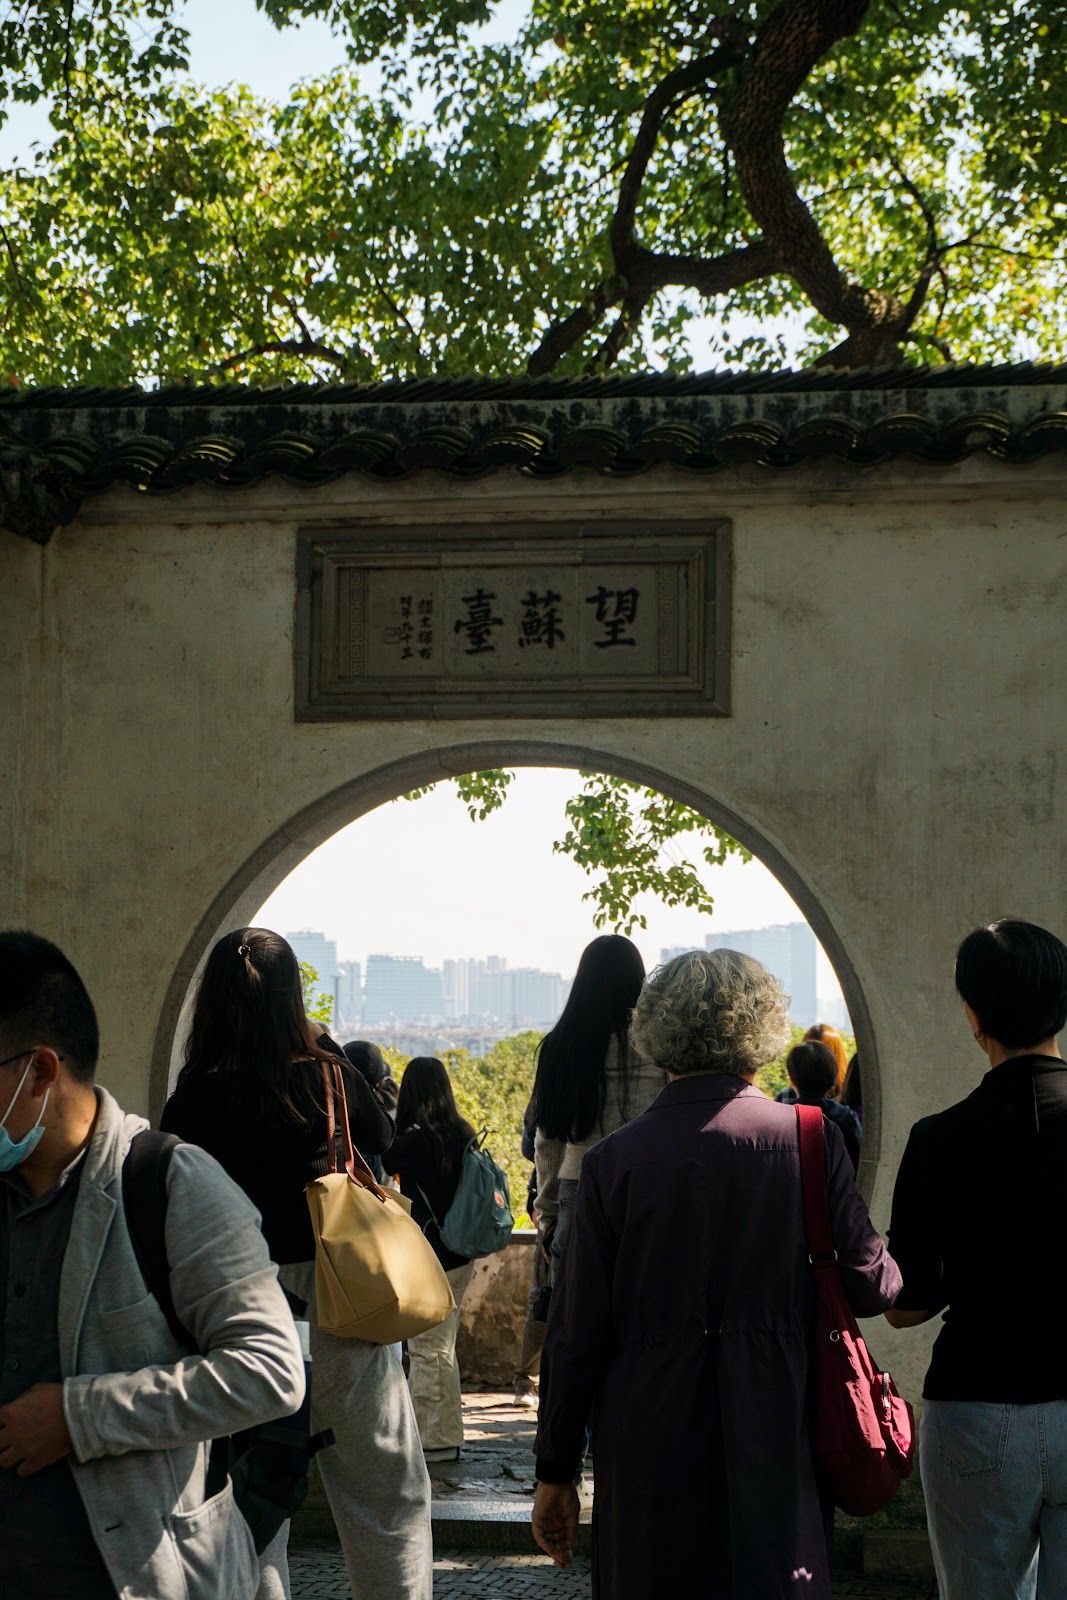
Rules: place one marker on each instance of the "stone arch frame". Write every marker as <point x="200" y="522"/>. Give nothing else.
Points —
<point x="316" y="822"/>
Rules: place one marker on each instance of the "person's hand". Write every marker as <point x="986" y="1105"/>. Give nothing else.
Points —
<point x="33" y="1430"/>
<point x="555" y="1521"/>
<point x="545" y="1241"/>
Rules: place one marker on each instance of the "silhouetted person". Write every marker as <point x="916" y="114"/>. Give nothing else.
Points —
<point x="812" y="1071"/>
<point x="252" y="1093"/>
<point x="590" y="1080"/>
<point x="427" y="1156"/>
<point x="980" y="1231"/>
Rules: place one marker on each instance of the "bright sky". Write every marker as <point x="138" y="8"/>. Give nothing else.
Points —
<point x="419" y="878"/>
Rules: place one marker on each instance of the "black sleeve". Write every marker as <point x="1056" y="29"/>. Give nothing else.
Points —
<point x="915" y="1231"/>
<point x="372" y="1129"/>
<point x="406" y="1157"/>
<point x="178" y="1117"/>
<point x="578" y="1339"/>
<point x="850" y="1132"/>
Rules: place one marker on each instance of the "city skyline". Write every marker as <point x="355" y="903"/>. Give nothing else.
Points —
<point x="389" y="990"/>
<point x="419" y="878"/>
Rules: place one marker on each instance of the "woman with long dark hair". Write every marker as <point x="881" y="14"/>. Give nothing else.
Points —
<point x="252" y="1094"/>
<point x="589" y="1079"/>
<point x="427" y="1156"/>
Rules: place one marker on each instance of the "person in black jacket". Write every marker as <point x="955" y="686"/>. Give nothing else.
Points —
<point x="812" y="1071"/>
<point x="979" y="1230"/>
<point x="427" y="1157"/>
<point x="252" y="1094"/>
<point x="372" y="1066"/>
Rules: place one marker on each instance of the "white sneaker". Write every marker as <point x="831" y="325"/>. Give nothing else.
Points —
<point x="527" y="1398"/>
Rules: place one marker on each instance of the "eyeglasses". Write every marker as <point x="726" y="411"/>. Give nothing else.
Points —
<point x="17" y="1056"/>
<point x="27" y="1052"/>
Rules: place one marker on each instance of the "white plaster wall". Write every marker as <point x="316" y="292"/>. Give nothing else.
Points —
<point x="896" y="736"/>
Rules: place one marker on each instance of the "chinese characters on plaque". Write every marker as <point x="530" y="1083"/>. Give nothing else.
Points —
<point x="492" y="620"/>
<point x="431" y="626"/>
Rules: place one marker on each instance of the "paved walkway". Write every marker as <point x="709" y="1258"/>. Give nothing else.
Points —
<point x="318" y="1574"/>
<point x="481" y="1507"/>
<point x="493" y="1481"/>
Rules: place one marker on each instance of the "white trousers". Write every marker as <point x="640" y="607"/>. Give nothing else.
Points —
<point x="373" y="1474"/>
<point x="434" y="1380"/>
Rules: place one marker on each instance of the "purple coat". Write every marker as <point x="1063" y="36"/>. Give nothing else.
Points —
<point x="681" y="1323"/>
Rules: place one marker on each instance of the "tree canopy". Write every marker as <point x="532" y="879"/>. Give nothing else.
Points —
<point x="887" y="179"/>
<point x="868" y="180"/>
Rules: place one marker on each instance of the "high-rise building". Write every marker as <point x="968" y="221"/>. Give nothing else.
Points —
<point x="314" y="950"/>
<point x="788" y="950"/>
<point x="349" y="995"/>
<point x="478" y="991"/>
<point x="674" y="950"/>
<point x="456" y="978"/>
<point x="402" y="988"/>
<point x="832" y="1009"/>
<point x="536" y="997"/>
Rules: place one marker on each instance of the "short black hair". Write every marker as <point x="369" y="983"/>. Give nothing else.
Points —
<point x="367" y="1060"/>
<point x="813" y="1068"/>
<point x="1013" y="975"/>
<point x="43" y="1001"/>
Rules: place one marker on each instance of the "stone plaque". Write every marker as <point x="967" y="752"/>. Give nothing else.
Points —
<point x="477" y="622"/>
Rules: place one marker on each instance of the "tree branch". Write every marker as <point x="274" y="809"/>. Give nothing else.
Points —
<point x="619" y="332"/>
<point x="16" y="270"/>
<point x="400" y="315"/>
<point x="564" y="335"/>
<point x="312" y="349"/>
<point x="794" y="38"/>
<point x="676" y="87"/>
<point x="710" y="275"/>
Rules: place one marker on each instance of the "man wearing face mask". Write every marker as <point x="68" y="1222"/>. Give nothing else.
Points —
<point x="104" y="1419"/>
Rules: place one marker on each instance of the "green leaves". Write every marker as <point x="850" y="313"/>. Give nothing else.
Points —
<point x="439" y="211"/>
<point x="317" y="1003"/>
<point x="625" y="837"/>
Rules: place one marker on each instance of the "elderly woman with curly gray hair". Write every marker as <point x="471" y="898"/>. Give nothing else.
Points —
<point x="681" y="1318"/>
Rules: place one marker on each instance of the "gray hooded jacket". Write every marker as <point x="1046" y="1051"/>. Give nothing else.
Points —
<point x="140" y="1409"/>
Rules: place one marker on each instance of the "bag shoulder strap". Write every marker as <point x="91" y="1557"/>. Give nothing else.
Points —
<point x="333" y="1085"/>
<point x="144" y="1200"/>
<point x="821" y="1250"/>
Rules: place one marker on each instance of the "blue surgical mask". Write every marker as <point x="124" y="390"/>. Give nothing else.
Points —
<point x="13" y="1153"/>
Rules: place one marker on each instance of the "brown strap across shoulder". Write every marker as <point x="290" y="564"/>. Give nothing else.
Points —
<point x="333" y="1084"/>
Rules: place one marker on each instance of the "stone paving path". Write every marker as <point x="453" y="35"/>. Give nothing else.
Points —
<point x="490" y="1484"/>
<point x="318" y="1574"/>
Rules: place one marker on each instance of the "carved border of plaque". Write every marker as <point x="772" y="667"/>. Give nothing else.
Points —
<point x="562" y="621"/>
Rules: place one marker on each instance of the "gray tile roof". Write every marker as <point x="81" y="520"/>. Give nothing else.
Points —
<point x="58" y="446"/>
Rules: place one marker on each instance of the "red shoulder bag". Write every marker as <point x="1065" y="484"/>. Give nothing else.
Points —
<point x="863" y="1431"/>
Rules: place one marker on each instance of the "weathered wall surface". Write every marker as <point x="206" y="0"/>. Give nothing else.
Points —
<point x="493" y="1312"/>
<point x="897" y="729"/>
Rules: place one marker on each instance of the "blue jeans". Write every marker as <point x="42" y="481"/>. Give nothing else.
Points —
<point x="995" y="1478"/>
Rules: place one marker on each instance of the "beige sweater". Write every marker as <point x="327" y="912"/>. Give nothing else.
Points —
<point x="624" y="1098"/>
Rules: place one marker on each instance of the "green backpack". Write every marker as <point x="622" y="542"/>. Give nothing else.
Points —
<point x="479" y="1220"/>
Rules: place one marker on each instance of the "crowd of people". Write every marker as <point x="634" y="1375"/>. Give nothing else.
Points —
<point x="671" y="1308"/>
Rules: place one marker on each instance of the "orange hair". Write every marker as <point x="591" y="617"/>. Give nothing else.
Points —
<point x="824" y="1034"/>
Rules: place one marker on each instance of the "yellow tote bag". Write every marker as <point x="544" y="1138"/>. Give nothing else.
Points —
<point x="376" y="1276"/>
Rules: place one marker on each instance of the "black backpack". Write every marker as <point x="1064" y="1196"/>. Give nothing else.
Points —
<point x="267" y="1464"/>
